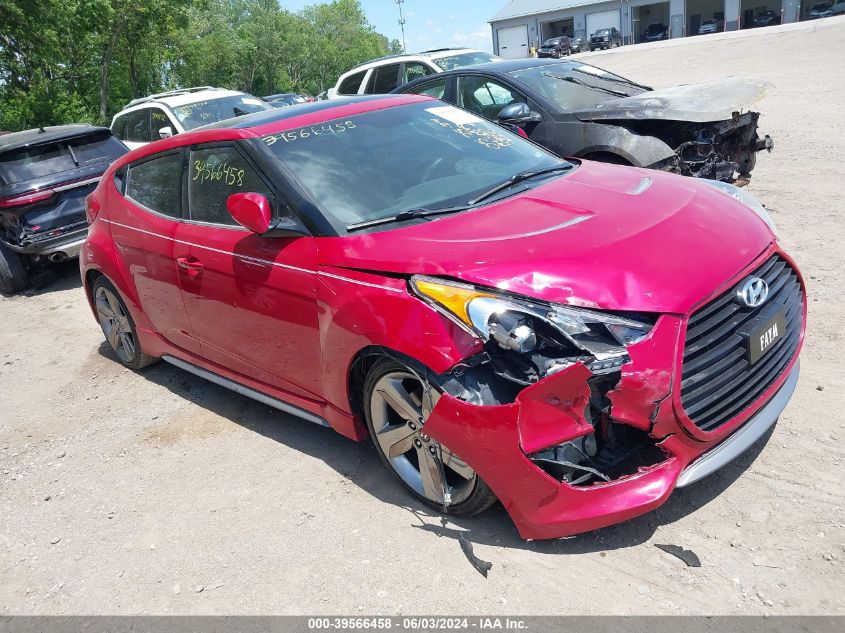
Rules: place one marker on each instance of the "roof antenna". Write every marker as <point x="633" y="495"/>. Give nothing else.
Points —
<point x="41" y="130"/>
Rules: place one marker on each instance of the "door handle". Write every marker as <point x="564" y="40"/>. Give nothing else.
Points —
<point x="192" y="267"/>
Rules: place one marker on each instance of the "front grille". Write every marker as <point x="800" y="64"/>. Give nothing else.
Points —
<point x="718" y="382"/>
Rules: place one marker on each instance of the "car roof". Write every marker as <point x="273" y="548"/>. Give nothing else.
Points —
<point x="266" y="117"/>
<point x="178" y="98"/>
<point x="436" y="53"/>
<point x="37" y="136"/>
<point x="502" y="67"/>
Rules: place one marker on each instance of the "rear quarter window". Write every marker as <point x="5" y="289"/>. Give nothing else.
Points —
<point x="156" y="184"/>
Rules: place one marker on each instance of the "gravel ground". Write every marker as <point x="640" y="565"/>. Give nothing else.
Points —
<point x="155" y="492"/>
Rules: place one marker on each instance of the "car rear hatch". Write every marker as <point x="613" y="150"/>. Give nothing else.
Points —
<point x="43" y="187"/>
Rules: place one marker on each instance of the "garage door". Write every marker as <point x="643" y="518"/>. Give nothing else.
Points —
<point x="602" y="20"/>
<point x="513" y="42"/>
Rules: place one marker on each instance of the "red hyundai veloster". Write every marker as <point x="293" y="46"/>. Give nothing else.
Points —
<point x="573" y="339"/>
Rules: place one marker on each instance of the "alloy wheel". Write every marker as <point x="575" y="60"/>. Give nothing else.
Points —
<point x="399" y="407"/>
<point x="115" y="323"/>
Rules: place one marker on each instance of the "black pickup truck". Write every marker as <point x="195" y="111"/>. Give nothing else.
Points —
<point x="45" y="175"/>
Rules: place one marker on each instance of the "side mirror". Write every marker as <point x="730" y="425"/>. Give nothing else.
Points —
<point x="253" y="211"/>
<point x="250" y="210"/>
<point x="165" y="132"/>
<point x="517" y="114"/>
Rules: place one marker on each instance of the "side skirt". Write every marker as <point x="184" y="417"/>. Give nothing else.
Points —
<point x="245" y="391"/>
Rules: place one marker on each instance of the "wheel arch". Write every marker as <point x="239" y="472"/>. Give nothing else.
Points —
<point x="363" y="362"/>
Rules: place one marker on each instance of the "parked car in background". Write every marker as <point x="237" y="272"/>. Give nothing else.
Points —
<point x="285" y="99"/>
<point x="166" y="114"/>
<point x="656" y="32"/>
<point x="605" y="38"/>
<point x="838" y="8"/>
<point x="821" y="10"/>
<point x="45" y="174"/>
<point x="767" y="18"/>
<point x="575" y="109"/>
<point x="576" y="45"/>
<point x="382" y="75"/>
<point x="401" y="270"/>
<point x="555" y="47"/>
<point x="709" y="26"/>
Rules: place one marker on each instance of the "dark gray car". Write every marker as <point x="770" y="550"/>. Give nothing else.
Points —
<point x="578" y="110"/>
<point x="45" y="175"/>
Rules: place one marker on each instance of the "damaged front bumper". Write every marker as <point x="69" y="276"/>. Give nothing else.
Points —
<point x="522" y="448"/>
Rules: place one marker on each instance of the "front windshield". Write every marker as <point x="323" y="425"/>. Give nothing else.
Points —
<point x="464" y="59"/>
<point x="573" y="85"/>
<point x="193" y="115"/>
<point x="419" y="156"/>
<point x="602" y="32"/>
<point x="552" y="42"/>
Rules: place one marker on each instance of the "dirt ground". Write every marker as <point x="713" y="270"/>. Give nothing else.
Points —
<point x="156" y="492"/>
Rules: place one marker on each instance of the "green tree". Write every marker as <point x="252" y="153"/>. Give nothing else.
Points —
<point x="80" y="60"/>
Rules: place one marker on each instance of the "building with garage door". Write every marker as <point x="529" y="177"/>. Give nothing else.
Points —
<point x="521" y="25"/>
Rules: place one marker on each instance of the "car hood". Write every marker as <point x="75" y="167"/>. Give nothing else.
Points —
<point x="602" y="236"/>
<point x="715" y="100"/>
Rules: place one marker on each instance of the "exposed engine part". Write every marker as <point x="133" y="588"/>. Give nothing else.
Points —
<point x="723" y="150"/>
<point x="513" y="331"/>
<point x="611" y="451"/>
<point x="619" y="450"/>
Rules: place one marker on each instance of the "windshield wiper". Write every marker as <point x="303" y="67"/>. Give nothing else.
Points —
<point x="618" y="80"/>
<point x="616" y="93"/>
<point x="409" y="214"/>
<point x="517" y="178"/>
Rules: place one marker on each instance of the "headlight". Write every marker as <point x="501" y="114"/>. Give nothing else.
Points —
<point x="745" y="198"/>
<point x="525" y="326"/>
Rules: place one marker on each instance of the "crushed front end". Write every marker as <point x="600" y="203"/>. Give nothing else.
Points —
<point x="719" y="150"/>
<point x="573" y="438"/>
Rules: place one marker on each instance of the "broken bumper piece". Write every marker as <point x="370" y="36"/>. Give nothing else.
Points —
<point x="523" y="449"/>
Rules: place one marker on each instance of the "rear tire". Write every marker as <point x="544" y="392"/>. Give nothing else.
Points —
<point x="396" y="406"/>
<point x="118" y="326"/>
<point x="14" y="276"/>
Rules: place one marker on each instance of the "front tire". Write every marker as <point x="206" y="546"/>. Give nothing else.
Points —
<point x="118" y="326"/>
<point x="396" y="405"/>
<point x="13" y="274"/>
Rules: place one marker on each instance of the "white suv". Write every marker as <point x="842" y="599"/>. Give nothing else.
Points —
<point x="161" y="115"/>
<point x="382" y="75"/>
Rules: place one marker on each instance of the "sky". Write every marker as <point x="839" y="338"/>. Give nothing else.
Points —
<point x="428" y="23"/>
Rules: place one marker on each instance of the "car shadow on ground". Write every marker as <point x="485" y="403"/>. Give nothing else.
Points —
<point x="359" y="463"/>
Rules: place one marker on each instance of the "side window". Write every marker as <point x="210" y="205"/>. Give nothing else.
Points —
<point x="214" y="174"/>
<point x="415" y="70"/>
<point x="384" y="79"/>
<point x="435" y="88"/>
<point x="118" y="127"/>
<point x="350" y="85"/>
<point x="155" y="184"/>
<point x="484" y="96"/>
<point x="158" y="120"/>
<point x="138" y="126"/>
